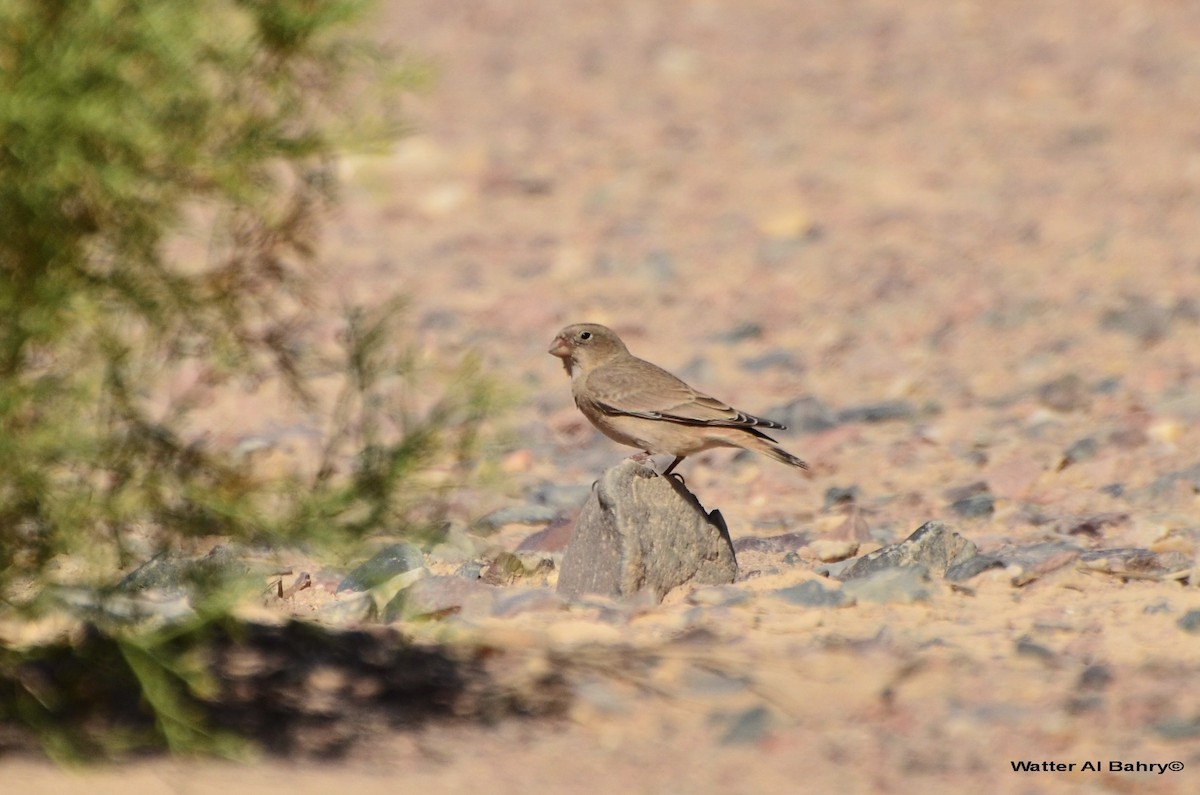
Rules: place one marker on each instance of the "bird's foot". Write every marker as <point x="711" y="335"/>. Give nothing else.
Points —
<point x="642" y="457"/>
<point x="667" y="472"/>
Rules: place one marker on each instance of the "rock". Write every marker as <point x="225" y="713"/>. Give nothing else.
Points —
<point x="747" y="727"/>
<point x="1161" y="606"/>
<point x="515" y="514"/>
<point x="507" y="568"/>
<point x="164" y="572"/>
<point x="830" y="550"/>
<point x="805" y="414"/>
<point x="811" y="593"/>
<point x="1132" y="563"/>
<point x="785" y="542"/>
<point x="562" y="497"/>
<point x="1026" y="647"/>
<point x="974" y="507"/>
<point x="1163" y="485"/>
<point x="1095" y="677"/>
<point x="966" y="569"/>
<point x="471" y="570"/>
<point x="1065" y="393"/>
<point x="933" y="546"/>
<point x="1178" y="728"/>
<point x="660" y="265"/>
<point x="641" y="532"/>
<point x="552" y="538"/>
<point x="886" y="411"/>
<point x="1091" y="525"/>
<point x="1083" y="450"/>
<point x="175" y="573"/>
<point x="1028" y="563"/>
<point x="440" y="596"/>
<point x="385" y="564"/>
<point x="707" y="683"/>
<point x="903" y="585"/>
<point x="353" y="607"/>
<point x="840" y="495"/>
<point x="748" y="330"/>
<point x="971" y="501"/>
<point x="1140" y="318"/>
<point x="775" y="358"/>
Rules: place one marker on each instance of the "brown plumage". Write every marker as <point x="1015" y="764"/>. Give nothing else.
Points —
<point x="637" y="403"/>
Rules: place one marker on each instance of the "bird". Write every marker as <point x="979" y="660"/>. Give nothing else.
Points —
<point x="639" y="404"/>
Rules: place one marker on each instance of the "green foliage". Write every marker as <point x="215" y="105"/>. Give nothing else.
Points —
<point x="125" y="127"/>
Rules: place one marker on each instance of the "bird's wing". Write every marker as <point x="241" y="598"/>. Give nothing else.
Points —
<point x="637" y="388"/>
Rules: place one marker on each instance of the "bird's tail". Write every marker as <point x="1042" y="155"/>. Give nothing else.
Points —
<point x="764" y="446"/>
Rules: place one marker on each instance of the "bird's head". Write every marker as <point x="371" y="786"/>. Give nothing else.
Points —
<point x="586" y="345"/>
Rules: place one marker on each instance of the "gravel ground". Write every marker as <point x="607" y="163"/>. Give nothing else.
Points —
<point x="955" y="245"/>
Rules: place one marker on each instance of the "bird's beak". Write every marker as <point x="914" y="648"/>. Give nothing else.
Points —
<point x="560" y="348"/>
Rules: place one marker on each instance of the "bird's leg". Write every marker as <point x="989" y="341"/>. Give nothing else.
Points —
<point x="642" y="457"/>
<point x="672" y="466"/>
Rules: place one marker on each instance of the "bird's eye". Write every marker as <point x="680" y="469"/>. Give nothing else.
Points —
<point x="585" y="335"/>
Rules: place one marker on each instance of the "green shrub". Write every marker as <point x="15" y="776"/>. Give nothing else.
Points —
<point x="124" y="126"/>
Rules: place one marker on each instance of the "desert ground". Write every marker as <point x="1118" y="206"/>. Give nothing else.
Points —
<point x="955" y="245"/>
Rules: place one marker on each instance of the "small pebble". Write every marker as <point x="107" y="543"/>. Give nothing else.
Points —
<point x="1190" y="621"/>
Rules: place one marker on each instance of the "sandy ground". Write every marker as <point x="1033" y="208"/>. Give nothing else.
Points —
<point x="988" y="211"/>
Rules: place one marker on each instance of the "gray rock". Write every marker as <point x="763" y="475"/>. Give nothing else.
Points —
<point x="164" y="571"/>
<point x="561" y="497"/>
<point x="507" y="568"/>
<point x="1091" y="525"/>
<point x="972" y="500"/>
<point x="640" y="532"/>
<point x="515" y="514"/>
<point x="471" y="570"/>
<point x="806" y="414"/>
<point x="1065" y="393"/>
<point x="1178" y="728"/>
<point x="974" y="507"/>
<point x="748" y="330"/>
<point x="775" y="358"/>
<point x="933" y="546"/>
<point x="1026" y="647"/>
<point x="660" y="265"/>
<point x="1163" y="485"/>
<point x="1161" y="606"/>
<point x="886" y="411"/>
<point x="747" y="727"/>
<point x="441" y="596"/>
<point x="174" y="573"/>
<point x="900" y="585"/>
<point x="1083" y="450"/>
<point x="1095" y="677"/>
<point x="352" y="608"/>
<point x="840" y="495"/>
<point x="785" y="542"/>
<point x="1122" y="560"/>
<point x="1031" y="562"/>
<point x="966" y="569"/>
<point x="1140" y="318"/>
<point x="382" y="566"/>
<point x="1190" y="621"/>
<point x="812" y="594"/>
